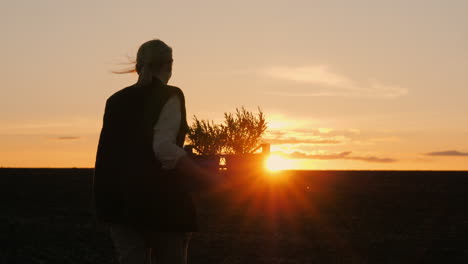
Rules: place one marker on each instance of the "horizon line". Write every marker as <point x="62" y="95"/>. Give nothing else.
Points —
<point x="91" y="168"/>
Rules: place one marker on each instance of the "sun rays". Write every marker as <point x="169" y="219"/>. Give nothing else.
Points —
<point x="276" y="163"/>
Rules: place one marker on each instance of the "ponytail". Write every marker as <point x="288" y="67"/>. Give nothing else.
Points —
<point x="151" y="56"/>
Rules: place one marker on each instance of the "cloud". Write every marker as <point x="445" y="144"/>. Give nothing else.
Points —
<point x="308" y="136"/>
<point x="373" y="159"/>
<point x="385" y="139"/>
<point x="324" y="132"/>
<point x="62" y="126"/>
<point x="451" y="153"/>
<point x="319" y="74"/>
<point x="302" y="155"/>
<point x="280" y="141"/>
<point x="67" y="138"/>
<point x="331" y="83"/>
<point x="341" y="155"/>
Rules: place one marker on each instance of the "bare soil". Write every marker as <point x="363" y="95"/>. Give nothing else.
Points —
<point x="46" y="216"/>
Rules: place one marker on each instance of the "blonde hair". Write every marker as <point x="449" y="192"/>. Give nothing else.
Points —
<point x="151" y="56"/>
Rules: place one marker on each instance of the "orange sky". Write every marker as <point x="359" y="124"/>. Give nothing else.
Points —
<point x="343" y="84"/>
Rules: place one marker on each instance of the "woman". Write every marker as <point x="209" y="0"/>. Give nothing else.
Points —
<point x="143" y="177"/>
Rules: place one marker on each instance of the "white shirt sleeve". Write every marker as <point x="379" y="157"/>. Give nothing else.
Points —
<point x="165" y="133"/>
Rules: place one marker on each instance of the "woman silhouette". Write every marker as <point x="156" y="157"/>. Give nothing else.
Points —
<point x="143" y="178"/>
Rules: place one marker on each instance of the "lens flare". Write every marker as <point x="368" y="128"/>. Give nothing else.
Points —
<point x="277" y="163"/>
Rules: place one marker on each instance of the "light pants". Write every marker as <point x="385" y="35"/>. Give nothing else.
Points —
<point x="165" y="248"/>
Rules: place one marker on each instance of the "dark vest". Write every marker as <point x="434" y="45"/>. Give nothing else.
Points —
<point x="129" y="185"/>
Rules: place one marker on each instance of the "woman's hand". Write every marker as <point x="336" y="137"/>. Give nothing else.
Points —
<point x="198" y="178"/>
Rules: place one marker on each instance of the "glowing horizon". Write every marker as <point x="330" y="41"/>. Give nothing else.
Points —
<point x="277" y="163"/>
<point x="351" y="85"/>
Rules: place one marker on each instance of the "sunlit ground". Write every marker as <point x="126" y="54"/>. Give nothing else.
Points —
<point x="276" y="200"/>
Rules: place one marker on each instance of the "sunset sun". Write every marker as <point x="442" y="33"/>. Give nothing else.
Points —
<point x="277" y="162"/>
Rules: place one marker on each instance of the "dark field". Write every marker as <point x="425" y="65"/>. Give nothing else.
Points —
<point x="295" y="217"/>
